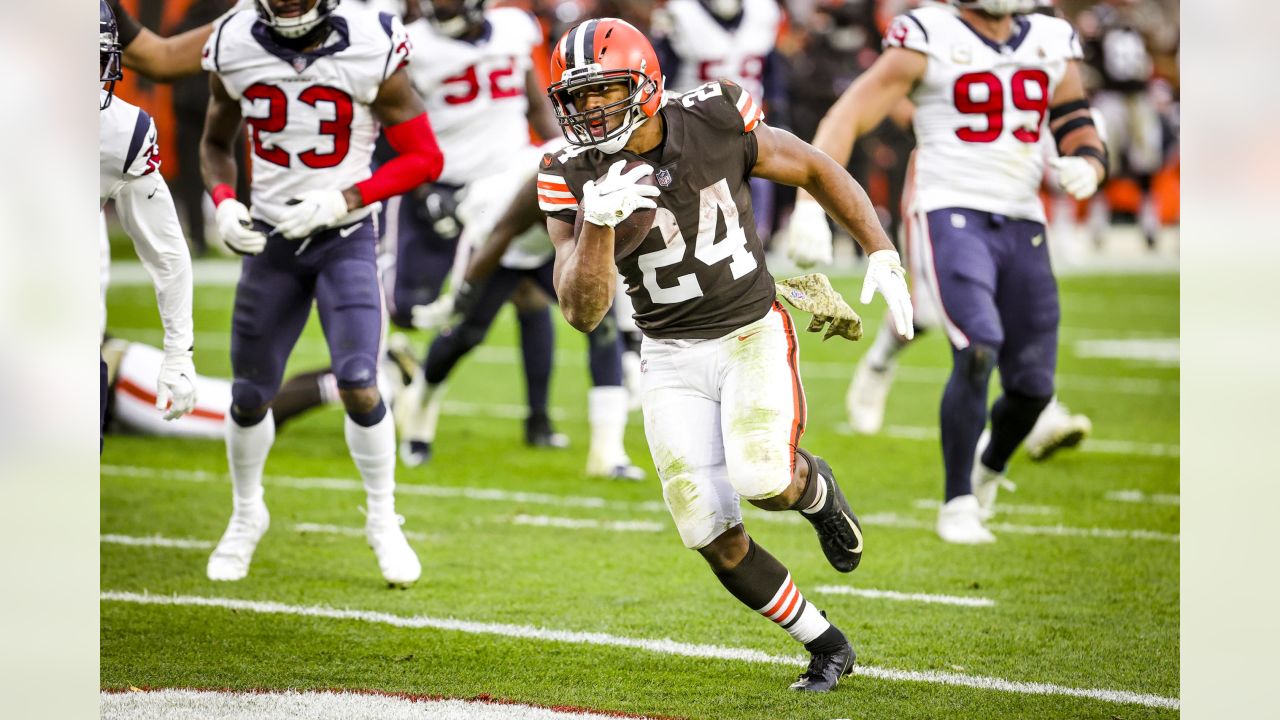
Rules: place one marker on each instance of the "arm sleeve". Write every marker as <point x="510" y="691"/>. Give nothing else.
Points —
<point x="146" y="211"/>
<point x="128" y="25"/>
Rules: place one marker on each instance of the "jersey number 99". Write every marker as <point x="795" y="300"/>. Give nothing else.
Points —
<point x="981" y="93"/>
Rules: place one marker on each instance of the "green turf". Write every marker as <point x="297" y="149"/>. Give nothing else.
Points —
<point x="1079" y="612"/>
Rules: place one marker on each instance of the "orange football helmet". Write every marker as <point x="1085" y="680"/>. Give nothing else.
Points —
<point x="598" y="52"/>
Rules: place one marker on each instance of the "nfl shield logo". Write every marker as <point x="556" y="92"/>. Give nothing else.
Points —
<point x="797" y="294"/>
<point x="299" y="64"/>
<point x="664" y="177"/>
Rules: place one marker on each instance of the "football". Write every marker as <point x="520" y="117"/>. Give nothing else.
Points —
<point x="629" y="233"/>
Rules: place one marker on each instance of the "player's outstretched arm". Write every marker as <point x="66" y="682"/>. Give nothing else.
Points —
<point x="146" y="212"/>
<point x="163" y="59"/>
<point x="585" y="276"/>
<point x="1082" y="165"/>
<point x="784" y="158"/>
<point x="866" y="103"/>
<point x="518" y="217"/>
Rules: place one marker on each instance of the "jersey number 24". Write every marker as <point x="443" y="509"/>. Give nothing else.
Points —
<point x="713" y="201"/>
<point x="981" y="93"/>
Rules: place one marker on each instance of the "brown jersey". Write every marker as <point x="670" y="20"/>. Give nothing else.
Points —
<point x="700" y="271"/>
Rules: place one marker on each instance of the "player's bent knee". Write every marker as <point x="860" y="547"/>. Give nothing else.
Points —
<point x="355" y="372"/>
<point x="250" y="401"/>
<point x="727" y="549"/>
<point x="975" y="363"/>
<point x="360" y="401"/>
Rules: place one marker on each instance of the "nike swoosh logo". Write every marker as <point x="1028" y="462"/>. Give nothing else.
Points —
<point x="153" y="192"/>
<point x="344" y="232"/>
<point x="856" y="532"/>
<point x="750" y="334"/>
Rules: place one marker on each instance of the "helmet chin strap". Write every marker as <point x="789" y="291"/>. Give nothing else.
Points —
<point x="615" y="144"/>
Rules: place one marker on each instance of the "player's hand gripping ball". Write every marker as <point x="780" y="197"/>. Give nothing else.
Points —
<point x="624" y="200"/>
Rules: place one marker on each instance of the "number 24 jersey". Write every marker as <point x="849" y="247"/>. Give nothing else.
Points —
<point x="308" y="116"/>
<point x="700" y="272"/>
<point x="982" y="107"/>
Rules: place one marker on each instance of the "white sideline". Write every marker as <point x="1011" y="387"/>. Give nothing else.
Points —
<point x="179" y="704"/>
<point x="892" y="520"/>
<point x="1137" y="496"/>
<point x="1090" y="445"/>
<point x="156" y="541"/>
<point x="585" y="524"/>
<point x="905" y="597"/>
<point x="664" y="646"/>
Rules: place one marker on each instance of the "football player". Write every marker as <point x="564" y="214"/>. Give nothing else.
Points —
<point x="478" y="85"/>
<point x="504" y="209"/>
<point x="987" y="80"/>
<point x="723" y="405"/>
<point x="313" y="79"/>
<point x="129" y="158"/>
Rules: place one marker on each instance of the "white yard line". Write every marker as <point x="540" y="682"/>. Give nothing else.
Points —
<point x="347" y="531"/>
<point x="182" y="704"/>
<point x="905" y="597"/>
<point x="1137" y="496"/>
<point x="661" y="646"/>
<point x="585" y="524"/>
<point x="1090" y="445"/>
<point x="156" y="541"/>
<point x="1163" y="351"/>
<point x="810" y="369"/>
<point x="892" y="520"/>
<point x="1010" y="508"/>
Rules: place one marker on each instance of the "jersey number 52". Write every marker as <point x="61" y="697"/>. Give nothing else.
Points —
<point x="981" y="93"/>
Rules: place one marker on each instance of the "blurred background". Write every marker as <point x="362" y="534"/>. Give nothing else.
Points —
<point x="1132" y="71"/>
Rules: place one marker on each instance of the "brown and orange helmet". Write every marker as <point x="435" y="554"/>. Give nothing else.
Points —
<point x="599" y="52"/>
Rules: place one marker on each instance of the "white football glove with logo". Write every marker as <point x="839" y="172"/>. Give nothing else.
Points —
<point x="311" y="211"/>
<point x="236" y="228"/>
<point x="616" y="196"/>
<point x="885" y="274"/>
<point x="1076" y="176"/>
<point x="809" y="235"/>
<point x="176" y="388"/>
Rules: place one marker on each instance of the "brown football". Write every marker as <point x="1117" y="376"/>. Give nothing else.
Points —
<point x="629" y="233"/>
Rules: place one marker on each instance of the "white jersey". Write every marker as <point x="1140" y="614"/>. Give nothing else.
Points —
<point x="710" y="51"/>
<point x="982" y="108"/>
<point x="487" y="199"/>
<point x="310" y="125"/>
<point x="475" y="91"/>
<point x="128" y="161"/>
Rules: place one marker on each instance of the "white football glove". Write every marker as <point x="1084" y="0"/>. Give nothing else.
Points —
<point x="176" y="388"/>
<point x="616" y="196"/>
<point x="1076" y="175"/>
<point x="809" y="235"/>
<point x="885" y="273"/>
<point x="311" y="211"/>
<point x="236" y="228"/>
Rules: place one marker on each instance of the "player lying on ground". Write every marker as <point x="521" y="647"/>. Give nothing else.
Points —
<point x="723" y="405"/>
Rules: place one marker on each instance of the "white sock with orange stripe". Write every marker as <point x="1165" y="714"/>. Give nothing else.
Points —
<point x="793" y="613"/>
<point x="763" y="584"/>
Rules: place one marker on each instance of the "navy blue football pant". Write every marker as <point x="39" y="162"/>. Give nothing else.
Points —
<point x="1000" y="304"/>
<point x="424" y="235"/>
<point x="454" y="342"/>
<point x="334" y="269"/>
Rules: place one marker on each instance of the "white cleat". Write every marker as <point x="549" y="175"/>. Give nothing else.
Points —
<point x="1055" y="429"/>
<point x="986" y="483"/>
<point x="230" y="559"/>
<point x="960" y="522"/>
<point x="867" y="396"/>
<point x="619" y="469"/>
<point x="397" y="561"/>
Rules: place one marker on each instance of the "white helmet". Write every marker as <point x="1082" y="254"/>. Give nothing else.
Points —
<point x="999" y="7"/>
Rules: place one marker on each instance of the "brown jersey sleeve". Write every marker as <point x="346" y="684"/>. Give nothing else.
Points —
<point x="725" y="105"/>
<point x="556" y="198"/>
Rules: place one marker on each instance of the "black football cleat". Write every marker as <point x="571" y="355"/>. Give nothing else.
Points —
<point x="539" y="433"/>
<point x="415" y="452"/>
<point x="825" y="670"/>
<point x="838" y="529"/>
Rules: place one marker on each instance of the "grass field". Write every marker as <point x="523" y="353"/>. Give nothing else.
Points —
<point x="1072" y="614"/>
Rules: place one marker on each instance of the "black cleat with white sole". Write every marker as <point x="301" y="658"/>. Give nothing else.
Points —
<point x="825" y="670"/>
<point x="838" y="529"/>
